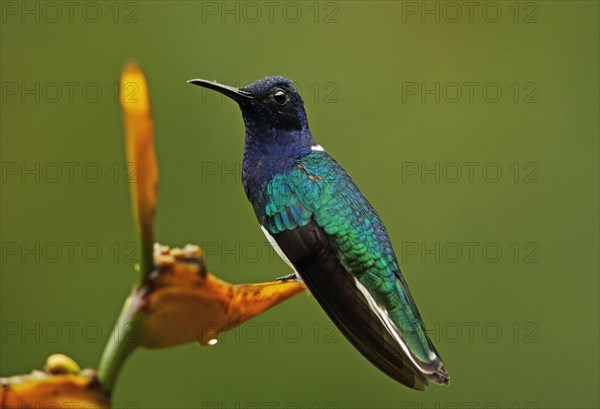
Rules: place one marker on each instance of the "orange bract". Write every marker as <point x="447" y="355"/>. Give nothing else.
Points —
<point x="135" y="102"/>
<point x="62" y="385"/>
<point x="184" y="303"/>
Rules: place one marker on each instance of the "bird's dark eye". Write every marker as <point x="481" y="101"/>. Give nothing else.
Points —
<point x="280" y="97"/>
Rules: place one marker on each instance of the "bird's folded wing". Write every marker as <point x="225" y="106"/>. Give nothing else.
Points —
<point x="339" y="246"/>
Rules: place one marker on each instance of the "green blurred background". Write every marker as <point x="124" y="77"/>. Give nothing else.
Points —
<point x="516" y="329"/>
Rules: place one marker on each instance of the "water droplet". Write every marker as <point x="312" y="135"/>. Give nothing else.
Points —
<point x="208" y="343"/>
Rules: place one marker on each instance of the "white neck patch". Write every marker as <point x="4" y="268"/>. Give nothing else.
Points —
<point x="317" y="148"/>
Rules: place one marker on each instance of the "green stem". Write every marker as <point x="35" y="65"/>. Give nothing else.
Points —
<point x="146" y="243"/>
<point x="124" y="339"/>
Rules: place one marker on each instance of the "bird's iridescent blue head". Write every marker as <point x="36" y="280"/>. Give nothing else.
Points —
<point x="272" y="108"/>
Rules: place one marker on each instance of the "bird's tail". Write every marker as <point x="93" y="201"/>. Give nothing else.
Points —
<point x="403" y="352"/>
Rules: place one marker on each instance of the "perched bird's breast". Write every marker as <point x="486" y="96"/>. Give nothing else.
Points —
<point x="266" y="156"/>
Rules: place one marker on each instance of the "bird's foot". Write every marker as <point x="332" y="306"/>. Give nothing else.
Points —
<point x="292" y="276"/>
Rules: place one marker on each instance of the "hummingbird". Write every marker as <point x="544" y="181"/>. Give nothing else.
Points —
<point x="322" y="225"/>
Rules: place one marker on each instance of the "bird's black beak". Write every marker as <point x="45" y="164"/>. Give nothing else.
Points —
<point x="236" y="94"/>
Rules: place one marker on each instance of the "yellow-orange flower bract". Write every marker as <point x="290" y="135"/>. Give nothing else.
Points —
<point x="139" y="135"/>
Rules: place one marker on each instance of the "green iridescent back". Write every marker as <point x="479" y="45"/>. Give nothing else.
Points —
<point x="318" y="188"/>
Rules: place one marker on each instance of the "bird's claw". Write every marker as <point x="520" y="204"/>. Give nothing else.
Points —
<point x="292" y="276"/>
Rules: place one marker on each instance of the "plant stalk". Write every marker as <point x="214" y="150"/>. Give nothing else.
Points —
<point x="125" y="337"/>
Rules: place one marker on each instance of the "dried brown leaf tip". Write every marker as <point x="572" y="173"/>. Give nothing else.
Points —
<point x="62" y="384"/>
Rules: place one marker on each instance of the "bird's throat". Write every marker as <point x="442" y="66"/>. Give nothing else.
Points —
<point x="271" y="151"/>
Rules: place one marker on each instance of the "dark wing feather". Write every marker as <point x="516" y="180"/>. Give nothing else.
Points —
<point x="308" y="248"/>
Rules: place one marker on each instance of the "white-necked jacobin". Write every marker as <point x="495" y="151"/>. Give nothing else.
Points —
<point x="322" y="225"/>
